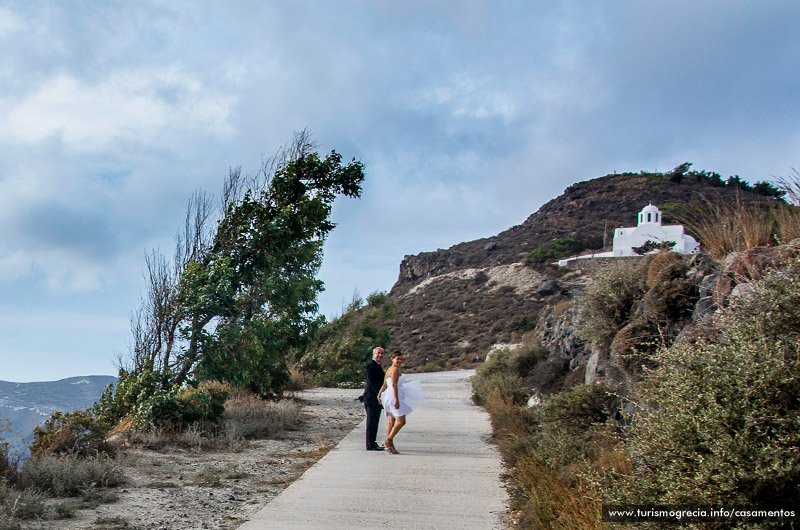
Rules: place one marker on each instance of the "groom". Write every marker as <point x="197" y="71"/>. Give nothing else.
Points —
<point x="372" y="404"/>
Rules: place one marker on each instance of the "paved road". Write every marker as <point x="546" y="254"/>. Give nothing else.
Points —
<point x="446" y="477"/>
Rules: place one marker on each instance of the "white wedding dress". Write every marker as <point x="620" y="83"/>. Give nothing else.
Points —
<point x="410" y="395"/>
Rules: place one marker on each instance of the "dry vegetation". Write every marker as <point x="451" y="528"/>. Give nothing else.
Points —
<point x="190" y="479"/>
<point x="713" y="420"/>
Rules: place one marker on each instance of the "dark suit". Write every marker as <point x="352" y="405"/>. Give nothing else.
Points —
<point x="374" y="376"/>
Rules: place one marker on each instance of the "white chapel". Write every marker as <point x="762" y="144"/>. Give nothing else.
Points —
<point x="649" y="228"/>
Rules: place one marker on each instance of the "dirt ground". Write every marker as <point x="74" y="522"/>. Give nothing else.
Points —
<point x="186" y="488"/>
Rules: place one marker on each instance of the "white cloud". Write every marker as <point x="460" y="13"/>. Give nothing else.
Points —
<point x="470" y="97"/>
<point x="150" y="107"/>
<point x="9" y="21"/>
<point x="15" y="265"/>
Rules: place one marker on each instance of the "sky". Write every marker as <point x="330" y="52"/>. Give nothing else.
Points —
<point x="468" y="116"/>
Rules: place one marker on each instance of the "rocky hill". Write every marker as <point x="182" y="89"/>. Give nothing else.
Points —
<point x="455" y="304"/>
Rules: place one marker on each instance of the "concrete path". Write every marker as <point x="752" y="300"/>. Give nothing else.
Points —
<point x="446" y="476"/>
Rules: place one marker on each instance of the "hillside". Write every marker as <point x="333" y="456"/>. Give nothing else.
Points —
<point x="455" y="304"/>
<point x="27" y="405"/>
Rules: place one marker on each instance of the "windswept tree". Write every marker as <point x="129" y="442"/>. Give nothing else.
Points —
<point x="241" y="291"/>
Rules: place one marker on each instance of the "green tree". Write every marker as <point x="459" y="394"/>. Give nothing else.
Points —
<point x="238" y="297"/>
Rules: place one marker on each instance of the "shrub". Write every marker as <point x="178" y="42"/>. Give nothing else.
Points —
<point x="18" y="505"/>
<point x="339" y="350"/>
<point x="558" y="248"/>
<point x="253" y="417"/>
<point x="609" y="302"/>
<point x="122" y="399"/>
<point x="567" y="427"/>
<point x="178" y="409"/>
<point x="8" y="464"/>
<point x="545" y="446"/>
<point x="78" y="433"/>
<point x="720" y="421"/>
<point x="69" y="475"/>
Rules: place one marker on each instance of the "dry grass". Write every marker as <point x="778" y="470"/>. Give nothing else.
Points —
<point x="724" y="227"/>
<point x="552" y="504"/>
<point x="252" y="417"/>
<point x="540" y="497"/>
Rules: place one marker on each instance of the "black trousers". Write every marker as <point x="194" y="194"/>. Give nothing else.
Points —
<point x="373" y="409"/>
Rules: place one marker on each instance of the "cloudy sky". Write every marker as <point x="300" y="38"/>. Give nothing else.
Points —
<point x="468" y="115"/>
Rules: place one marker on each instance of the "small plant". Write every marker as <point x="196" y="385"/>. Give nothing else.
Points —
<point x="209" y="476"/>
<point x="65" y="510"/>
<point x="179" y="409"/>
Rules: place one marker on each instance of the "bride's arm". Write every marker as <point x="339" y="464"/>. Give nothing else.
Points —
<point x="383" y="387"/>
<point x="395" y="377"/>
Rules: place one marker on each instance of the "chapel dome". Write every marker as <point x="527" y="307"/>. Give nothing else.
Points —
<point x="650" y="214"/>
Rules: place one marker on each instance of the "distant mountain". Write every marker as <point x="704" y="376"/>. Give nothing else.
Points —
<point x="27" y="405"/>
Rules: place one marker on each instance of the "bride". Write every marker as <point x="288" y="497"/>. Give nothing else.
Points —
<point x="396" y="397"/>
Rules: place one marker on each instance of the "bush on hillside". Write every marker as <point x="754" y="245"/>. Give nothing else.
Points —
<point x="78" y="433"/>
<point x="608" y="303"/>
<point x="69" y="475"/>
<point x="720" y="421"/>
<point x="122" y="399"/>
<point x="504" y="372"/>
<point x="177" y="409"/>
<point x="547" y="446"/>
<point x="16" y="506"/>
<point x="560" y="247"/>
<point x="722" y="227"/>
<point x="339" y="350"/>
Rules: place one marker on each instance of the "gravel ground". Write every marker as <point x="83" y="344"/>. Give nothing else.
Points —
<point x="180" y="488"/>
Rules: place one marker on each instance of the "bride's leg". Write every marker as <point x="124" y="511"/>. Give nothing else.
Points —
<point x="389" y="425"/>
<point x="398" y="424"/>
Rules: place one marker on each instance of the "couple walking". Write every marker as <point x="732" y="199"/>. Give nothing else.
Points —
<point x="390" y="392"/>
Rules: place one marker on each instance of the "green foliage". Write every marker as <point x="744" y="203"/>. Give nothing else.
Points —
<point x="259" y="284"/>
<point x="240" y="297"/>
<point x="122" y="399"/>
<point x="767" y="189"/>
<point x="609" y="302"/>
<point x="650" y="246"/>
<point x="377" y="299"/>
<point x="558" y="248"/>
<point x="339" y="350"/>
<point x="720" y="420"/>
<point x="178" y="409"/>
<point x="677" y="174"/>
<point x="570" y="429"/>
<point x="545" y="446"/>
<point x="78" y="433"/>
